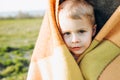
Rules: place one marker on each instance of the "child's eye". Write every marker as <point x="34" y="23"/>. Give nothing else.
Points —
<point x="66" y="33"/>
<point x="82" y="31"/>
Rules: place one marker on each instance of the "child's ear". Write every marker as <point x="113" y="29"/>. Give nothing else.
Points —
<point x="94" y="29"/>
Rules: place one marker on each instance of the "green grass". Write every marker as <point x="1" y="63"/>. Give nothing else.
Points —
<point x="17" y="40"/>
<point x="19" y="32"/>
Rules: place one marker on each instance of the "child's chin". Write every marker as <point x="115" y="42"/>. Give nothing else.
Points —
<point x="77" y="53"/>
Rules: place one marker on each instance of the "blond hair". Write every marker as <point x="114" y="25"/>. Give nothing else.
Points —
<point x="76" y="9"/>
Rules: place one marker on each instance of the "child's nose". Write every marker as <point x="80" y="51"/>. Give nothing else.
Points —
<point x="75" y="38"/>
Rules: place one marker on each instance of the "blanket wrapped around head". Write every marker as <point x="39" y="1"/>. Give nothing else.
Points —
<point x="51" y="59"/>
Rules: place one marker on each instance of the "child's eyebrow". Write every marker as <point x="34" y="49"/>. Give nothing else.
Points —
<point x="82" y="28"/>
<point x="65" y="31"/>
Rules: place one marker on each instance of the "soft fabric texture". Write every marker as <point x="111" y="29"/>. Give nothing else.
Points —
<point x="51" y="59"/>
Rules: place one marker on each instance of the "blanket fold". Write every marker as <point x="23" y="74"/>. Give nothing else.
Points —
<point x="51" y="59"/>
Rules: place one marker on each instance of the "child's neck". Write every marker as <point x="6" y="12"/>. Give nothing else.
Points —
<point x="76" y="56"/>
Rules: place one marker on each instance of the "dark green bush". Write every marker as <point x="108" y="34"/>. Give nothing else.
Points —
<point x="14" y="61"/>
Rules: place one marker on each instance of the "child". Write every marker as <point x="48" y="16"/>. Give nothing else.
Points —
<point x="51" y="59"/>
<point x="77" y="25"/>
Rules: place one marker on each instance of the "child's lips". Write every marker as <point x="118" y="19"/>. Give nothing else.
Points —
<point x="76" y="48"/>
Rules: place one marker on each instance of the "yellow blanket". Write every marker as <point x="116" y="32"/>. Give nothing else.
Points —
<point x="51" y="60"/>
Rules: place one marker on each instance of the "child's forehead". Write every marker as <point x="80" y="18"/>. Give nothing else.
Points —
<point x="80" y="21"/>
<point x="67" y="23"/>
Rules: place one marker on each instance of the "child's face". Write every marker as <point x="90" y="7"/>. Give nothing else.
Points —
<point x="77" y="34"/>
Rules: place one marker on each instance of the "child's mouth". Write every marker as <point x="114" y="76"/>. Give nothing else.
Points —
<point x="75" y="48"/>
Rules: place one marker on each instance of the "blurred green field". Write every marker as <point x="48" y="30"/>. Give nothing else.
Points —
<point x="18" y="32"/>
<point x="17" y="40"/>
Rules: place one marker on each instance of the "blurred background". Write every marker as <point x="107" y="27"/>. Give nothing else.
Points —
<point x="20" y="22"/>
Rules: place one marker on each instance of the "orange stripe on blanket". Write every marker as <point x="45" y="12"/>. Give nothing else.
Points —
<point x="114" y="35"/>
<point x="57" y="39"/>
